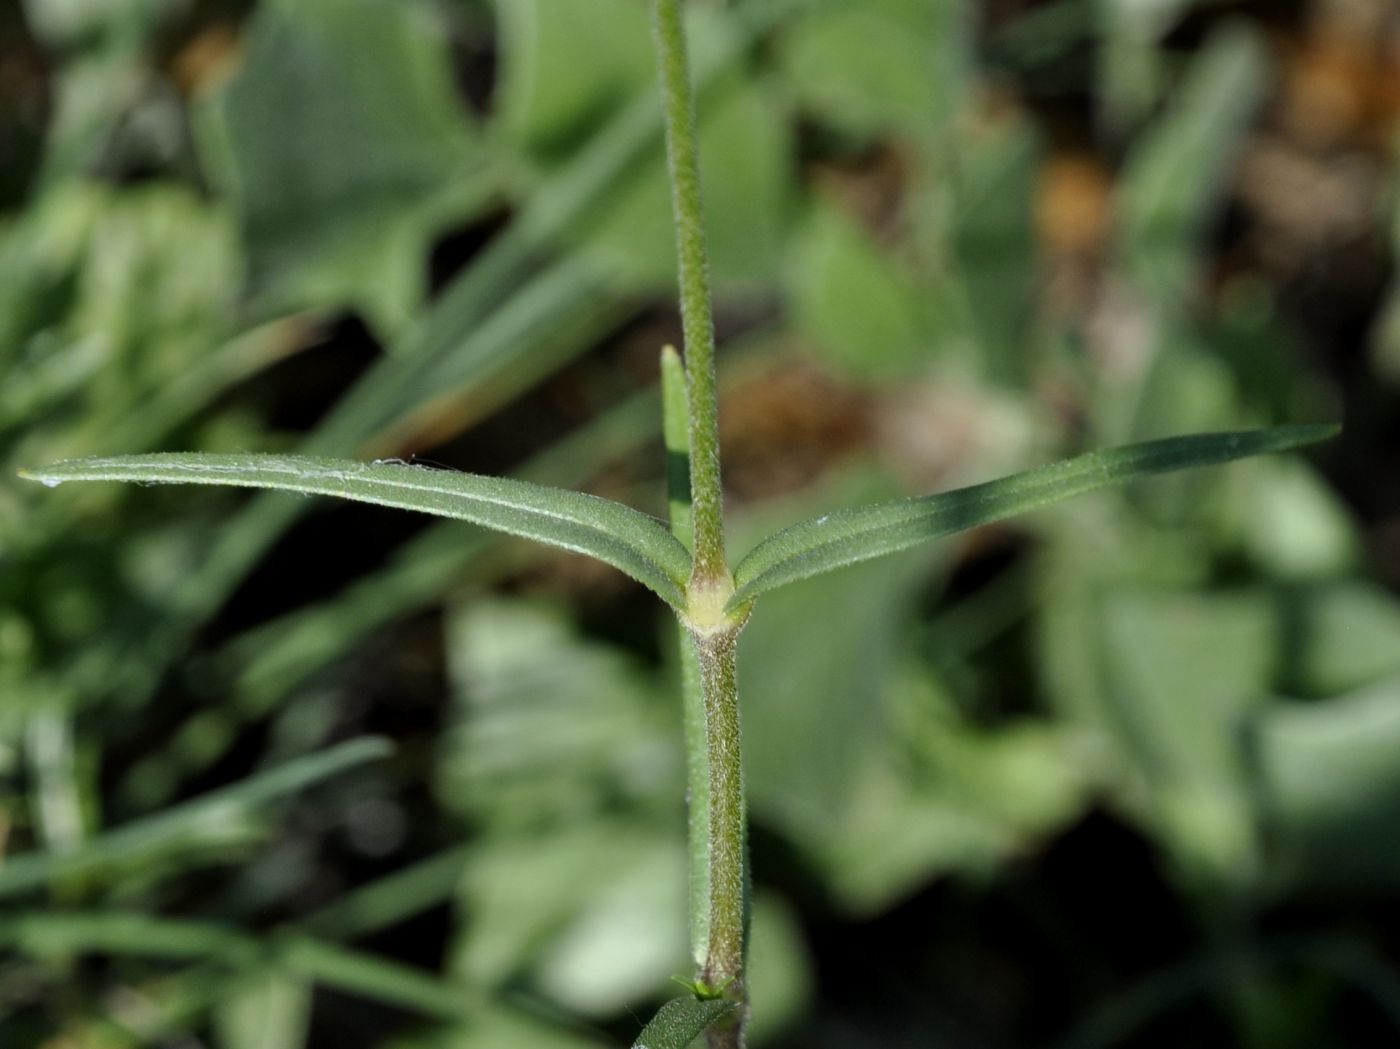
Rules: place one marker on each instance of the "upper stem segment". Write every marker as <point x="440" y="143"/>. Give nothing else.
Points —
<point x="697" y="316"/>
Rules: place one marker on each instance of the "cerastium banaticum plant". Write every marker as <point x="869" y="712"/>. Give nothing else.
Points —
<point x="687" y="566"/>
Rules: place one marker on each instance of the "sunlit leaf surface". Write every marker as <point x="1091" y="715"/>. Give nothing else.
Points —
<point x="615" y="534"/>
<point x="850" y="536"/>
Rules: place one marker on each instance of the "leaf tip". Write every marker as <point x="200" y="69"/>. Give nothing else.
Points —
<point x="1325" y="431"/>
<point x="47" y="480"/>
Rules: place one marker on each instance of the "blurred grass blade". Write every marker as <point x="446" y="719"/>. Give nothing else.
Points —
<point x="209" y="813"/>
<point x="615" y="534"/>
<point x="680" y="1021"/>
<point x="391" y="899"/>
<point x="134" y="935"/>
<point x="1177" y="175"/>
<point x="850" y="536"/>
<point x="128" y="934"/>
<point x="379" y="979"/>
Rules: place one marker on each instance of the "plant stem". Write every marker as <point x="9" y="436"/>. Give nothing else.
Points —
<point x="697" y="316"/>
<point x="675" y="409"/>
<point x="726" y="848"/>
<point x="719" y="864"/>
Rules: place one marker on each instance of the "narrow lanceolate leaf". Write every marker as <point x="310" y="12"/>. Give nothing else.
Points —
<point x="849" y="536"/>
<point x="615" y="534"/>
<point x="680" y="1021"/>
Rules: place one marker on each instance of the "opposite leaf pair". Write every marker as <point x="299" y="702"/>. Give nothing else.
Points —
<point x="642" y="548"/>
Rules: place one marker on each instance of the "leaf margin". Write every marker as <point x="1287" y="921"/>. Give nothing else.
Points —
<point x="681" y="1020"/>
<point x="609" y="531"/>
<point x="831" y="541"/>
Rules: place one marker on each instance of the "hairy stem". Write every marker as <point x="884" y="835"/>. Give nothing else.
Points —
<point x="675" y="406"/>
<point x="719" y="864"/>
<point x="727" y="847"/>
<point x="697" y="316"/>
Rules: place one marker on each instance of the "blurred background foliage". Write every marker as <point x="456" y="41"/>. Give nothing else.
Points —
<point x="1125" y="773"/>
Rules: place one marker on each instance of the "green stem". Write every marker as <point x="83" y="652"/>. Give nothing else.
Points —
<point x="726" y="847"/>
<point x="675" y="409"/>
<point x="719" y="872"/>
<point x="697" y="315"/>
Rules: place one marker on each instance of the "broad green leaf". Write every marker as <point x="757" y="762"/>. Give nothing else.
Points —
<point x="879" y="65"/>
<point x="1329" y="772"/>
<point x="1348" y="637"/>
<point x="271" y="1011"/>
<point x="852" y="301"/>
<point x="566" y="67"/>
<point x="563" y="756"/>
<point x="615" y="534"/>
<point x="808" y="744"/>
<point x="850" y="536"/>
<point x="342" y="143"/>
<point x="680" y="1021"/>
<point x="140" y="838"/>
<point x="548" y="725"/>
<point x="1184" y="672"/>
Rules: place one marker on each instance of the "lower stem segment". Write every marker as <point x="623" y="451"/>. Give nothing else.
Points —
<point x="727" y="852"/>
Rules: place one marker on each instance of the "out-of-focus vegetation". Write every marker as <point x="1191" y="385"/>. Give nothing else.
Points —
<point x="1123" y="773"/>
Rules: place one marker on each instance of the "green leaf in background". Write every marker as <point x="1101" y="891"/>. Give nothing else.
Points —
<point x="852" y="302"/>
<point x="862" y="759"/>
<point x="680" y="1021"/>
<point x="564" y="73"/>
<point x="1293" y="525"/>
<point x="1133" y="65"/>
<point x="849" y="536"/>
<point x="549" y="98"/>
<point x="1324" y="768"/>
<point x="1185" y="673"/>
<point x="1345" y="636"/>
<point x="344" y="147"/>
<point x="562" y="752"/>
<point x="862" y="70"/>
<point x="1174" y="178"/>
<point x="817" y="691"/>
<point x="564" y="755"/>
<point x="615" y="534"/>
<point x="748" y="193"/>
<point x="989" y="213"/>
<point x="270" y="1011"/>
<point x="76" y="22"/>
<point x="548" y="724"/>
